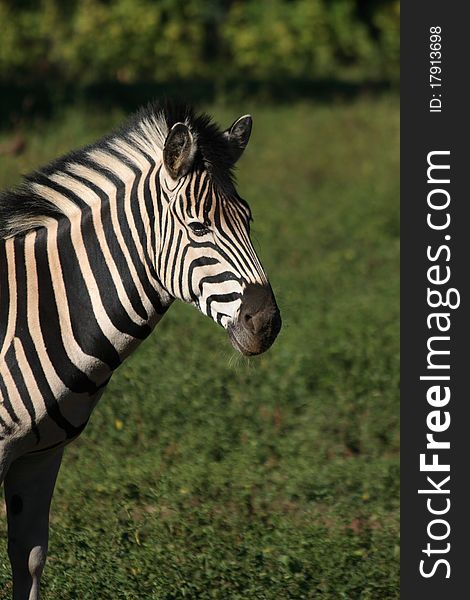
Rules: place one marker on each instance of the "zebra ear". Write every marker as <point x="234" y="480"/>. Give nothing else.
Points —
<point x="179" y="150"/>
<point x="238" y="135"/>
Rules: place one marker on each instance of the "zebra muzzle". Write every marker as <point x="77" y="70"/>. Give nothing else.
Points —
<point x="258" y="323"/>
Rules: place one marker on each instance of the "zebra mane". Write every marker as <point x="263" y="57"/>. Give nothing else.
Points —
<point x="23" y="208"/>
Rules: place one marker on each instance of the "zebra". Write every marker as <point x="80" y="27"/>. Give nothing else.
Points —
<point x="94" y="248"/>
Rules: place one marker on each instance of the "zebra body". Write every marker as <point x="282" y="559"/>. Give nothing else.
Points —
<point x="67" y="275"/>
<point x="93" y="250"/>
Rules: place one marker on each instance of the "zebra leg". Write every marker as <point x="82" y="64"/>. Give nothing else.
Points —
<point x="29" y="484"/>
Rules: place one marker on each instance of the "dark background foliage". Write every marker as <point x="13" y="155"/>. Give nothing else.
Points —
<point x="122" y="51"/>
<point x="88" y="41"/>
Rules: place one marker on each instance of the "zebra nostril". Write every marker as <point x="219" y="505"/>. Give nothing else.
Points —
<point x="259" y="314"/>
<point x="249" y="322"/>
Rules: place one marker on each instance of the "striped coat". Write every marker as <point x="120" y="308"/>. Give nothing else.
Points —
<point x="94" y="248"/>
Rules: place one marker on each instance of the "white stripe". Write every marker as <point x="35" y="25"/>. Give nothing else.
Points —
<point x="127" y="177"/>
<point x="56" y="384"/>
<point x="93" y="201"/>
<point x="92" y="366"/>
<point x="139" y="160"/>
<point x="110" y="189"/>
<point x="11" y="276"/>
<point x="14" y="395"/>
<point x="64" y="204"/>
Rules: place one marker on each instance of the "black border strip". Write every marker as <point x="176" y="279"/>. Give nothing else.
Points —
<point x="422" y="132"/>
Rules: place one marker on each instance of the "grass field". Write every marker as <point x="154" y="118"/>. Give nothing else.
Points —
<point x="206" y="475"/>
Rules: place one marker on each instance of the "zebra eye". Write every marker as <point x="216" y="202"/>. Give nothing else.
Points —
<point x="198" y="228"/>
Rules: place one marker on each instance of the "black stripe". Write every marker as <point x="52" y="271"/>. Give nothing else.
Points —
<point x="100" y="269"/>
<point x="32" y="357"/>
<point x="188" y="198"/>
<point x="149" y="184"/>
<point x="159" y="209"/>
<point x="6" y="401"/>
<point x="219" y="278"/>
<point x="175" y="257"/>
<point x="198" y="184"/>
<point x="12" y="364"/>
<point x="202" y="261"/>
<point x="135" y="209"/>
<point x="243" y="264"/>
<point x="106" y="286"/>
<point x="181" y="273"/>
<point x="211" y="195"/>
<point x="86" y="329"/>
<point x="217" y="249"/>
<point x="221" y="298"/>
<point x="72" y="377"/>
<point x="220" y="316"/>
<point x="64" y="191"/>
<point x="4" y="293"/>
<point x="149" y="290"/>
<point x="168" y="249"/>
<point x="115" y="248"/>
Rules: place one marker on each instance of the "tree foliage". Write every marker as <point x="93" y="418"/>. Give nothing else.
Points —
<point x="90" y="41"/>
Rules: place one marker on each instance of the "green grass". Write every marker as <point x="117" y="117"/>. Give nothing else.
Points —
<point x="204" y="475"/>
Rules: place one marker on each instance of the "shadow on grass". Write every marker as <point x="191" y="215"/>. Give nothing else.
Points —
<point x="22" y="101"/>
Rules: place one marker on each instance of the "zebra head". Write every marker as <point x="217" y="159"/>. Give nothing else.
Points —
<point x="206" y="257"/>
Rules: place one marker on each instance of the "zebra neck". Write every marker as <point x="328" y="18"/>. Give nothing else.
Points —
<point x="78" y="298"/>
